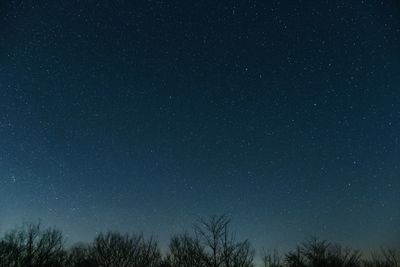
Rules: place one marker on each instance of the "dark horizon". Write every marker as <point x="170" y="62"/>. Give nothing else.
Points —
<point x="146" y="115"/>
<point x="37" y="245"/>
<point x="164" y="244"/>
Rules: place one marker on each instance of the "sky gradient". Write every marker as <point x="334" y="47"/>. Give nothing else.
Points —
<point x="145" y="115"/>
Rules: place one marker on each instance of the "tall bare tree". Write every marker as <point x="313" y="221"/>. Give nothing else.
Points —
<point x="220" y="246"/>
<point x="211" y="246"/>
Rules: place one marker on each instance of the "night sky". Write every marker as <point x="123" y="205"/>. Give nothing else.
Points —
<point x="146" y="115"/>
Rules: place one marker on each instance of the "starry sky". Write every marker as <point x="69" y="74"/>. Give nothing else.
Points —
<point x="146" y="115"/>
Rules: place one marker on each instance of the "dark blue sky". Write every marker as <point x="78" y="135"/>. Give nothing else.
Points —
<point x="145" y="115"/>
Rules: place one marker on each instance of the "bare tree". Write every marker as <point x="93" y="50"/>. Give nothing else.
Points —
<point x="185" y="251"/>
<point x="116" y="250"/>
<point x="220" y="247"/>
<point x="295" y="258"/>
<point x="211" y="246"/>
<point x="385" y="258"/>
<point x="271" y="258"/>
<point x="32" y="246"/>
<point x="315" y="253"/>
<point x="79" y="256"/>
<point x="391" y="256"/>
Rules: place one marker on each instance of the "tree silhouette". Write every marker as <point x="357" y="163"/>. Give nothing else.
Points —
<point x="386" y="258"/>
<point x="185" y="251"/>
<point x="116" y="250"/>
<point x="31" y="246"/>
<point x="220" y="247"/>
<point x="79" y="256"/>
<point x="271" y="259"/>
<point x="315" y="253"/>
<point x="211" y="246"/>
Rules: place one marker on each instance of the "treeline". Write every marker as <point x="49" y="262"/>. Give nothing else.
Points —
<point x="209" y="244"/>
